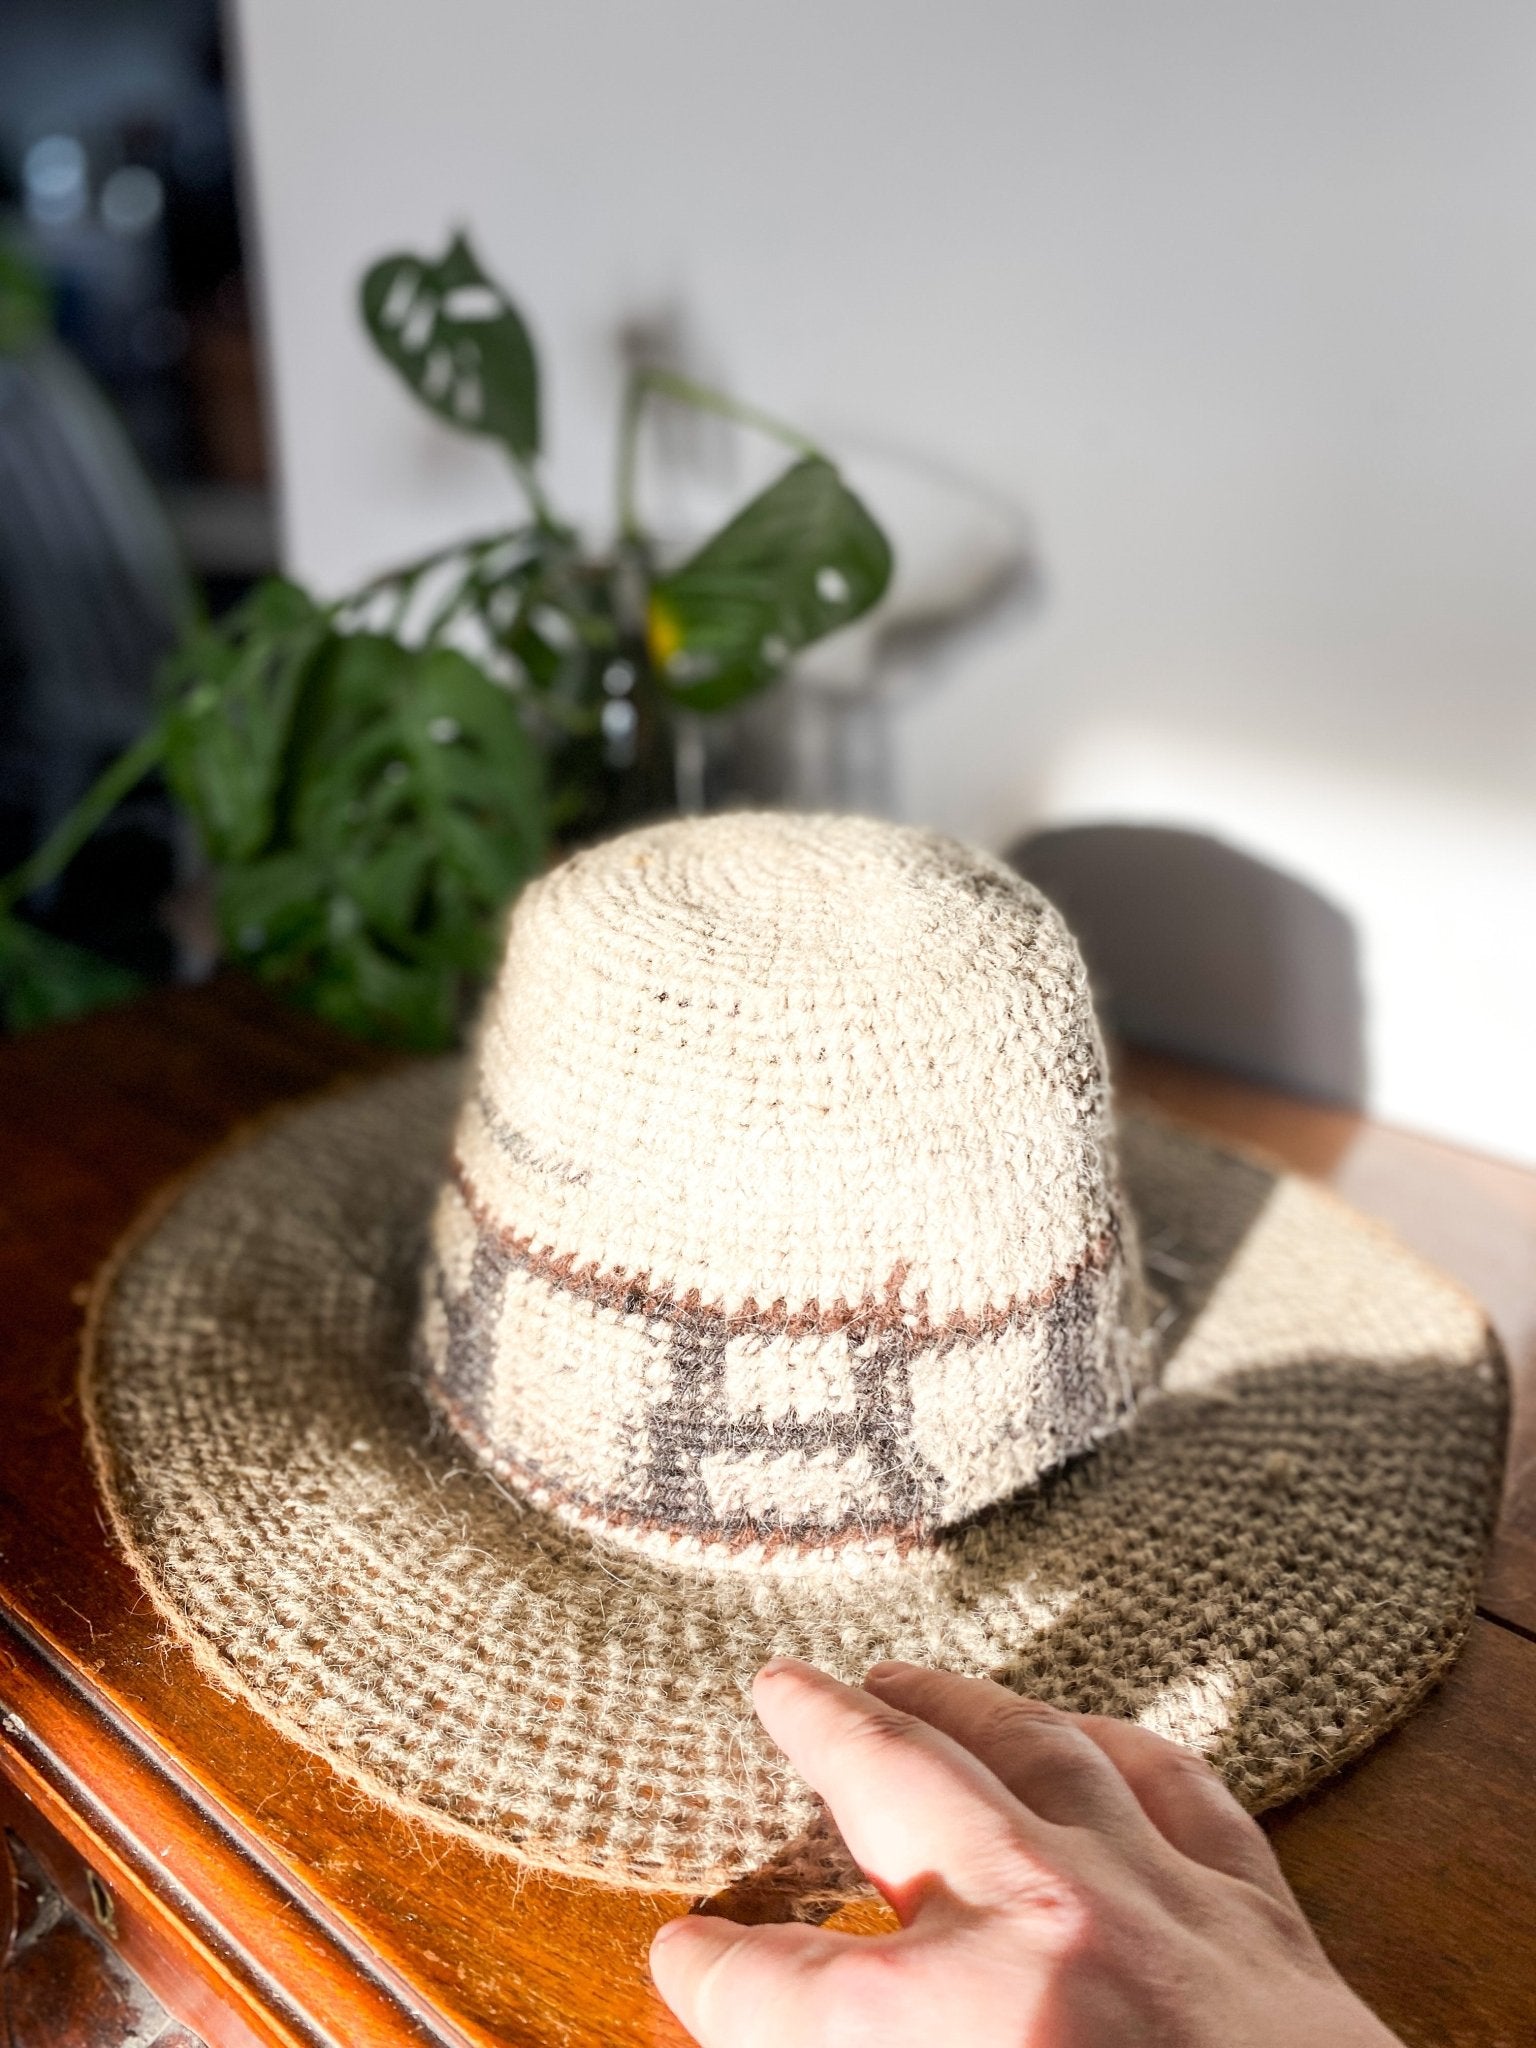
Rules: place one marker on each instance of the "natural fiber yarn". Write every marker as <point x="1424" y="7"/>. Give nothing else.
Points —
<point x="1272" y="1558"/>
<point x="783" y="1217"/>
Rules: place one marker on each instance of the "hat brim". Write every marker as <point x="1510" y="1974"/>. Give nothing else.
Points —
<point x="1273" y="1563"/>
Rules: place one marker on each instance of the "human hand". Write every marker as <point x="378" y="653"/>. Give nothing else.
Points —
<point x="1062" y="1881"/>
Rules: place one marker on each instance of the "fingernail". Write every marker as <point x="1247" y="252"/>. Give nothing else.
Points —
<point x="776" y="1666"/>
<point x="890" y="1667"/>
<point x="667" y="1929"/>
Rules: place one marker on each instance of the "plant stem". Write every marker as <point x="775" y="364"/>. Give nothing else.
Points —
<point x="408" y="573"/>
<point x="412" y="572"/>
<point x="630" y="532"/>
<point x="668" y="384"/>
<point x="457" y="597"/>
<point x="538" y="504"/>
<point x="72" y="831"/>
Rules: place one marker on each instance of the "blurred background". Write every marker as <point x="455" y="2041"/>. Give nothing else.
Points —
<point x="133" y="463"/>
<point x="1187" y="353"/>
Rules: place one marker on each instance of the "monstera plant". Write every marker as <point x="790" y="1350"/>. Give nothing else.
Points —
<point x="371" y="779"/>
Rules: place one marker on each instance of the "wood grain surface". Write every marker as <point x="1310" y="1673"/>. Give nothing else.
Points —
<point x="264" y="1902"/>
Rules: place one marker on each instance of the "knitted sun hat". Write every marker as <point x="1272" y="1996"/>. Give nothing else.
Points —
<point x="778" y="1279"/>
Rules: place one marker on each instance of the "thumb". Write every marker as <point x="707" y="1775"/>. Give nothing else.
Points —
<point x="746" y="1987"/>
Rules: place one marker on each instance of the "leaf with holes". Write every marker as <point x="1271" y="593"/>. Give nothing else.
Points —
<point x="231" y="694"/>
<point x="398" y="739"/>
<point x="802" y="559"/>
<point x="458" y="341"/>
<point x="414" y="810"/>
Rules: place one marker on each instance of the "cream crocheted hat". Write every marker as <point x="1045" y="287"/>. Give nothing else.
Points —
<point x="780" y="1281"/>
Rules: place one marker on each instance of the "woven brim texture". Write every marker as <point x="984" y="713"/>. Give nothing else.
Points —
<point x="1273" y="1563"/>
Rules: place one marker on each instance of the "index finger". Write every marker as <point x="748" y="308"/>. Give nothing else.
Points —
<point x="913" y="1805"/>
<point x="1046" y="1758"/>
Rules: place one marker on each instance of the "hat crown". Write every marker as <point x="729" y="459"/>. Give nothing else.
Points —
<point x="783" y="1216"/>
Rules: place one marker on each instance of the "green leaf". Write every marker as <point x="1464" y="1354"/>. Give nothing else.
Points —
<point x="458" y="341"/>
<point x="413" y="811"/>
<point x="273" y="910"/>
<point x="803" y="558"/>
<point x="386" y="885"/>
<point x="396" y="736"/>
<point x="231" y="695"/>
<point x="43" y="978"/>
<point x="361" y="983"/>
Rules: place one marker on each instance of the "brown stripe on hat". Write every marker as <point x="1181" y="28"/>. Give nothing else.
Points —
<point x="772" y="1429"/>
<point x="638" y="1294"/>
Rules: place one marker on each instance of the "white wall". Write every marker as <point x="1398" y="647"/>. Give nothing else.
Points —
<point x="1238" y="301"/>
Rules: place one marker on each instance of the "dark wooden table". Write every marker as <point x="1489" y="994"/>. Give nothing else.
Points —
<point x="261" y="1903"/>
